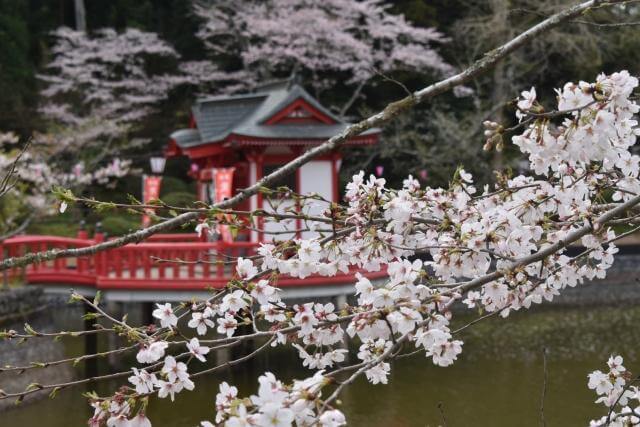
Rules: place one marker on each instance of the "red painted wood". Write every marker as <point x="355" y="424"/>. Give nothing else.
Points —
<point x="131" y="263"/>
<point x="146" y="263"/>
<point x="110" y="269"/>
<point x="206" y="267"/>
<point x="215" y="148"/>
<point x="191" y="257"/>
<point x="161" y="265"/>
<point x="299" y="104"/>
<point x="116" y="261"/>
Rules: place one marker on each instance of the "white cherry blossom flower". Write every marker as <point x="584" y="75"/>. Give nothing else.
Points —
<point x="227" y="325"/>
<point x="197" y="350"/>
<point x="165" y="314"/>
<point x="200" y="322"/>
<point x="143" y="381"/>
<point x="153" y="352"/>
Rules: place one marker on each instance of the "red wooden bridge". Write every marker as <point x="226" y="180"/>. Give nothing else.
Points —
<point x="147" y="271"/>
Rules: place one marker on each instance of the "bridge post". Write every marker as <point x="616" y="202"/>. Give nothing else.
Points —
<point x="147" y="313"/>
<point x="223" y="355"/>
<point x="90" y="343"/>
<point x="340" y="302"/>
<point x="82" y="231"/>
<point x="115" y="309"/>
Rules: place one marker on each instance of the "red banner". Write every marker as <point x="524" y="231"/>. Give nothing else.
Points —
<point x="150" y="191"/>
<point x="223" y="179"/>
<point x="224" y="183"/>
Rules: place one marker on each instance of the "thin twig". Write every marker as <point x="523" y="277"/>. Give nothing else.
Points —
<point x="441" y="409"/>
<point x="543" y="422"/>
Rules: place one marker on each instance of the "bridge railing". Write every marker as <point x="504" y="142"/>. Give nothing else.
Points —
<point x="166" y="258"/>
<point x="174" y="237"/>
<point x="168" y="262"/>
<point x="76" y="269"/>
<point x="180" y="261"/>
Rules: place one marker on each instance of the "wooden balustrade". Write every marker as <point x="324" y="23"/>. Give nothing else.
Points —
<point x="167" y="261"/>
<point x="175" y="258"/>
<point x="65" y="270"/>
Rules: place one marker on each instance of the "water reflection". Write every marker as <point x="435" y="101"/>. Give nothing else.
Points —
<point x="497" y="381"/>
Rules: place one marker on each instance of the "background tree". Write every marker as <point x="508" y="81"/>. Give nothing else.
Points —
<point x="334" y="44"/>
<point x="98" y="89"/>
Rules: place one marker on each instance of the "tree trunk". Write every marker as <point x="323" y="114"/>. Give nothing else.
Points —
<point x="80" y="13"/>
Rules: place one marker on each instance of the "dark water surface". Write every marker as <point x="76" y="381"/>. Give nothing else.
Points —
<point x="497" y="381"/>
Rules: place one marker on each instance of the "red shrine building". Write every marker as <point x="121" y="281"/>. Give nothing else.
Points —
<point x="234" y="140"/>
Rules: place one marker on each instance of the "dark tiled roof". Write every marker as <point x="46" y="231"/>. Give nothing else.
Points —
<point x="186" y="137"/>
<point x="218" y="117"/>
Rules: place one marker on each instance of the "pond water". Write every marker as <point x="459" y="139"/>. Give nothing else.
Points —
<point x="497" y="381"/>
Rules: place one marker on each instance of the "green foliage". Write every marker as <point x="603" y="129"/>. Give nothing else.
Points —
<point x="180" y="199"/>
<point x="117" y="225"/>
<point x="173" y="185"/>
<point x="16" y="68"/>
<point x="11" y="211"/>
<point x="59" y="225"/>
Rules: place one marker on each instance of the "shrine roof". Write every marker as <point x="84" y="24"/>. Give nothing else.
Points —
<point x="270" y="112"/>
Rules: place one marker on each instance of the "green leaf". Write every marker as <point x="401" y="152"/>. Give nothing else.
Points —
<point x="29" y="330"/>
<point x="33" y="386"/>
<point x="54" y="392"/>
<point x="96" y="299"/>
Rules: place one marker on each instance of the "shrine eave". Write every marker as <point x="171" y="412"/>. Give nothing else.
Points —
<point x="235" y="142"/>
<point x="278" y="114"/>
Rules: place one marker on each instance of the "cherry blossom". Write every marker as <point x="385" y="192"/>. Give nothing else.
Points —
<point x="143" y="381"/>
<point x="227" y="325"/>
<point x="234" y="302"/>
<point x="168" y="388"/>
<point x="165" y="314"/>
<point x="139" y="420"/>
<point x="197" y="350"/>
<point x="496" y="249"/>
<point x="152" y="352"/>
<point x="200" y="321"/>
<point x="617" y="392"/>
<point x="245" y="268"/>
<point x="367" y="36"/>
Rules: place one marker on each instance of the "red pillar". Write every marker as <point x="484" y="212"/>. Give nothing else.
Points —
<point x="335" y="174"/>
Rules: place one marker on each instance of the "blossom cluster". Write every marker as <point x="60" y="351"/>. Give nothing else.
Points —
<point x="616" y="391"/>
<point x="369" y="36"/>
<point x="276" y="404"/>
<point x="492" y="249"/>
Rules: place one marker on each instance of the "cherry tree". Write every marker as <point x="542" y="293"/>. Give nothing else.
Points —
<point x="494" y="250"/>
<point x="497" y="249"/>
<point x="30" y="173"/>
<point x="101" y="85"/>
<point x="97" y="89"/>
<point x="328" y="41"/>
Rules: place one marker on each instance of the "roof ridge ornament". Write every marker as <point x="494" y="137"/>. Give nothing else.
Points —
<point x="295" y="79"/>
